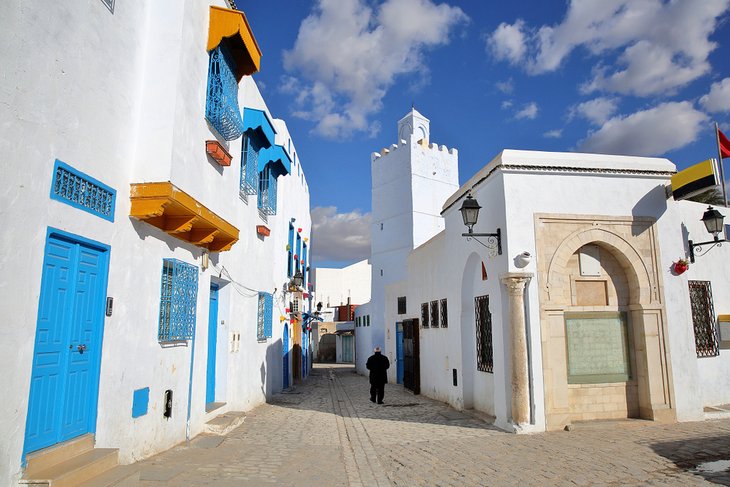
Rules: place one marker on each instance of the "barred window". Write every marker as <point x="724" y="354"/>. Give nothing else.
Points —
<point x="444" y="314"/>
<point x="703" y="319"/>
<point x="221" y="105"/>
<point x="178" y="300"/>
<point x="424" y="315"/>
<point x="75" y="188"/>
<point x="265" y="312"/>
<point x="249" y="166"/>
<point x="267" y="191"/>
<point x="434" y="314"/>
<point x="485" y="358"/>
<point x="402" y="305"/>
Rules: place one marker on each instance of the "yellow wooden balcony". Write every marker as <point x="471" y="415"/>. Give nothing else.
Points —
<point x="172" y="210"/>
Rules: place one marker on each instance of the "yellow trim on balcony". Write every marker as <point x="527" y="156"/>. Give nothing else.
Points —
<point x="176" y="213"/>
<point x="233" y="26"/>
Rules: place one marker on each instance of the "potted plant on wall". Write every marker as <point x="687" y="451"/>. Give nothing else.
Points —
<point x="680" y="266"/>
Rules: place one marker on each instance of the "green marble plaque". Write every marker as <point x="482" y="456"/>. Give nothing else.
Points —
<point x="598" y="347"/>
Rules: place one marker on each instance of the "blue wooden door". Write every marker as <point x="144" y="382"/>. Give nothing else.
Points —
<point x="347" y="348"/>
<point x="285" y="350"/>
<point x="67" y="353"/>
<point x="399" y="352"/>
<point x="212" y="342"/>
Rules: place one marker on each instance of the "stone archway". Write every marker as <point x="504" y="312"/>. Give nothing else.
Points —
<point x="630" y="251"/>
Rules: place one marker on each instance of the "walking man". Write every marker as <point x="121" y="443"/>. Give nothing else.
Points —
<point x="377" y="364"/>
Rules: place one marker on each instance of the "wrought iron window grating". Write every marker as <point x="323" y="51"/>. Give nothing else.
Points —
<point x="703" y="319"/>
<point x="401" y="305"/>
<point x="485" y="357"/>
<point x="267" y="191"/>
<point x="444" y="314"/>
<point x="249" y="166"/>
<point x="178" y="300"/>
<point x="424" y="315"/>
<point x="434" y="314"/>
<point x="265" y="315"/>
<point x="81" y="191"/>
<point x="221" y="106"/>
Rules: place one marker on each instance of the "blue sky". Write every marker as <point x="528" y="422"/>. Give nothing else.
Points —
<point x="639" y="77"/>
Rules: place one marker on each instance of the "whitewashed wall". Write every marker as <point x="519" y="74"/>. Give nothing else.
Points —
<point x="123" y="100"/>
<point x="335" y="286"/>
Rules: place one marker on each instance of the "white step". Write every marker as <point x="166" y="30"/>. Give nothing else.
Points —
<point x="76" y="470"/>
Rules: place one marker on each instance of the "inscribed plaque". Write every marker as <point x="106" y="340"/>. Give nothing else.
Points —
<point x="598" y="347"/>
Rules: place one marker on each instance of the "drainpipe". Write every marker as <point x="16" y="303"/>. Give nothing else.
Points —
<point x="190" y="384"/>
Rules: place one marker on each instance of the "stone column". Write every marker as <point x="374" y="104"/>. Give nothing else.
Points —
<point x="515" y="283"/>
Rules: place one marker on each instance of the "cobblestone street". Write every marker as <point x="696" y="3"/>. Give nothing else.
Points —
<point x="326" y="432"/>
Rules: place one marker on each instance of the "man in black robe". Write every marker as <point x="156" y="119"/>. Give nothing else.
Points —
<point x="378" y="364"/>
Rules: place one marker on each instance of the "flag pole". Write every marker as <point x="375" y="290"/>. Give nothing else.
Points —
<point x="722" y="169"/>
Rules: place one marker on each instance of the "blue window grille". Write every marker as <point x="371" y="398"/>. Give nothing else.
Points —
<point x="267" y="191"/>
<point x="249" y="166"/>
<point x="221" y="107"/>
<point x="265" y="315"/>
<point x="298" y="258"/>
<point x="178" y="300"/>
<point x="81" y="191"/>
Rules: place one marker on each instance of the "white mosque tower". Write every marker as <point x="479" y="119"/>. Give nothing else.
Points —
<point x="411" y="180"/>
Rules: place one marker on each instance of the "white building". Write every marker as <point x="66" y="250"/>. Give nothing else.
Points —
<point x="334" y="289"/>
<point x="410" y="182"/>
<point x="581" y="316"/>
<point x="140" y="272"/>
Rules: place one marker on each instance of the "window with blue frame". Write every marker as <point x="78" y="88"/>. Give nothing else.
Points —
<point x="178" y="300"/>
<point x="304" y="265"/>
<point x="249" y="166"/>
<point x="267" y="191"/>
<point x="221" y="107"/>
<point x="298" y="255"/>
<point x="265" y="315"/>
<point x="290" y="252"/>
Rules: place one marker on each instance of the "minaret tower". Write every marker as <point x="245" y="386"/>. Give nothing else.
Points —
<point x="411" y="180"/>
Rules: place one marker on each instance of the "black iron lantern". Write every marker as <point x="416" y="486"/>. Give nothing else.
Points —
<point x="470" y="212"/>
<point x="713" y="221"/>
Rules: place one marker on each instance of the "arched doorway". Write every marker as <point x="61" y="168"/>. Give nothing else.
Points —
<point x="602" y="320"/>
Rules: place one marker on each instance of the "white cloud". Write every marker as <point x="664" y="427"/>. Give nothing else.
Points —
<point x="553" y="134"/>
<point x="661" y="45"/>
<point x="649" y="132"/>
<point x="718" y="99"/>
<point x="505" y="87"/>
<point x="507" y="42"/>
<point x="529" y="111"/>
<point x="506" y="104"/>
<point x="596" y="111"/>
<point x="350" y="54"/>
<point x="340" y="236"/>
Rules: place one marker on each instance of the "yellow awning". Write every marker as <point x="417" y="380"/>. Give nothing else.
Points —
<point x="232" y="25"/>
<point x="176" y="213"/>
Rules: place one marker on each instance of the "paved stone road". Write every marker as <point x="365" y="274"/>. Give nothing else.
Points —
<point x="345" y="440"/>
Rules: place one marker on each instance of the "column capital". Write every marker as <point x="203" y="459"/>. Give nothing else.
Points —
<point x="515" y="281"/>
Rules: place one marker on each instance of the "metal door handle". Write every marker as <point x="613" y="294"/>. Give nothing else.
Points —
<point x="81" y="348"/>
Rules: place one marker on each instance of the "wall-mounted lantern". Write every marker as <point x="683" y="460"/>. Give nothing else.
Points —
<point x="470" y="213"/>
<point x="713" y="221"/>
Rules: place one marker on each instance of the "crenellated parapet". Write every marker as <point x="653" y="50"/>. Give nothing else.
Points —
<point x="423" y="143"/>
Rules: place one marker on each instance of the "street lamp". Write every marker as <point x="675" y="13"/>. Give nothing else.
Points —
<point x="470" y="214"/>
<point x="298" y="279"/>
<point x="713" y="221"/>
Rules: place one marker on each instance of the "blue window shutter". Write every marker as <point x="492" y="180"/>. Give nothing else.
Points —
<point x="140" y="401"/>
<point x="81" y="191"/>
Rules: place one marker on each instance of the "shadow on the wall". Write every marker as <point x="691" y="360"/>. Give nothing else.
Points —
<point x="653" y="204"/>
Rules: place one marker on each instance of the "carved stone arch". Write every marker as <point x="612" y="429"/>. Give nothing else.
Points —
<point x="637" y="273"/>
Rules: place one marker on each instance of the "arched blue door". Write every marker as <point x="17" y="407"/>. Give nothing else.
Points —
<point x="285" y="349"/>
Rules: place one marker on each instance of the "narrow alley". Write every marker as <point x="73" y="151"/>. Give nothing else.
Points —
<point x="326" y="432"/>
